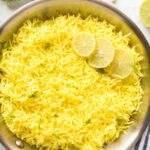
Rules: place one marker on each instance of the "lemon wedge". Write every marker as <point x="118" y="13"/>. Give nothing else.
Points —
<point x="84" y="44"/>
<point x="145" y="12"/>
<point x="122" y="65"/>
<point x="104" y="54"/>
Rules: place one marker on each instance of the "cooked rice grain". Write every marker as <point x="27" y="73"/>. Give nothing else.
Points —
<point x="51" y="97"/>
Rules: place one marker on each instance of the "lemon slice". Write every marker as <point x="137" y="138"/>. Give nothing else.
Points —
<point x="122" y="65"/>
<point x="145" y="12"/>
<point x="84" y="44"/>
<point x="104" y="54"/>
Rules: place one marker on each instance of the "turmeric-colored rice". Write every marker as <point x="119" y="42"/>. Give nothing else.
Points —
<point x="51" y="98"/>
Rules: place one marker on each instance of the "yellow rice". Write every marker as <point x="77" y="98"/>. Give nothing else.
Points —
<point x="51" y="97"/>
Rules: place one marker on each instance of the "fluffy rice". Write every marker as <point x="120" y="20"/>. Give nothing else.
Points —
<point x="51" y="97"/>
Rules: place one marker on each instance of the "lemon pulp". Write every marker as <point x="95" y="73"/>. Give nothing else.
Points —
<point x="104" y="54"/>
<point x="145" y="12"/>
<point x="84" y="44"/>
<point x="122" y="64"/>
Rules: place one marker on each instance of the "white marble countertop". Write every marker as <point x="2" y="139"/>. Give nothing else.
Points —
<point x="129" y="7"/>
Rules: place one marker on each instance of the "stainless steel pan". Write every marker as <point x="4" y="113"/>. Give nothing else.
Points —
<point x="47" y="8"/>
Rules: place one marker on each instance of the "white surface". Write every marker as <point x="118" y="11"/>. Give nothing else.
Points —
<point x="5" y="12"/>
<point x="129" y="7"/>
<point x="2" y="148"/>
